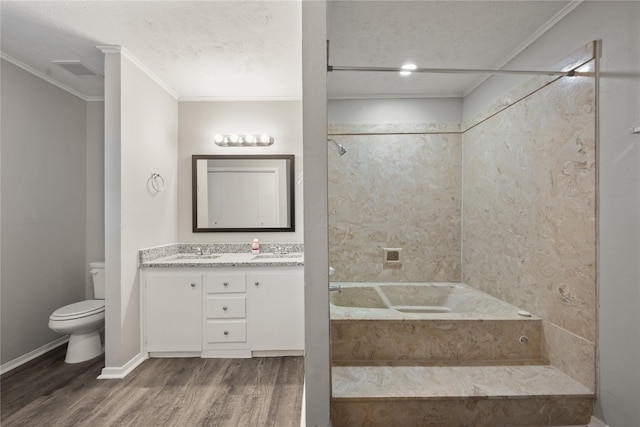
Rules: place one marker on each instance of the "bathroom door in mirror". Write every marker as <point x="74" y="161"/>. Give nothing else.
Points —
<point x="243" y="193"/>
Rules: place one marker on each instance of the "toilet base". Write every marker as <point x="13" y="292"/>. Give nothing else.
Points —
<point x="83" y="347"/>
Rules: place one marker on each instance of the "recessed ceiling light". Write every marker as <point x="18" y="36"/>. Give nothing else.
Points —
<point x="408" y="68"/>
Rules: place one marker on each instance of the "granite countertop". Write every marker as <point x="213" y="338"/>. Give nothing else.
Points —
<point x="227" y="260"/>
<point x="180" y="255"/>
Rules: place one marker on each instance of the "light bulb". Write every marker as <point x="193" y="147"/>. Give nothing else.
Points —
<point x="264" y="138"/>
<point x="408" y="68"/>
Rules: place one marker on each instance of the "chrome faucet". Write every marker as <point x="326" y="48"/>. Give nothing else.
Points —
<point x="199" y="251"/>
<point x="277" y="250"/>
<point x="335" y="288"/>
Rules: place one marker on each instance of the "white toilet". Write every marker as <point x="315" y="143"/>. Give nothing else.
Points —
<point x="83" y="321"/>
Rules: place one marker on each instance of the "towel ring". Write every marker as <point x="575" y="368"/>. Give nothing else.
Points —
<point x="157" y="182"/>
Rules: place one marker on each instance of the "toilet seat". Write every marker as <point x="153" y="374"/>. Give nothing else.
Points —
<point x="79" y="310"/>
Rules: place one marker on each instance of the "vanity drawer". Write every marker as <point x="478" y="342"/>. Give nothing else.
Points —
<point x="225" y="307"/>
<point x="220" y="332"/>
<point x="224" y="283"/>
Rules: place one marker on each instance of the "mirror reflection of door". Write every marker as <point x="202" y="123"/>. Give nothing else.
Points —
<point x="243" y="197"/>
<point x="243" y="193"/>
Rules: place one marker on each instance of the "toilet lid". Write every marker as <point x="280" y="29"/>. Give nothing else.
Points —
<point x="79" y="309"/>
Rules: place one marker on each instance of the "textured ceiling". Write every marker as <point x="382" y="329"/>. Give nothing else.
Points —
<point x="430" y="34"/>
<point x="222" y="49"/>
<point x="252" y="49"/>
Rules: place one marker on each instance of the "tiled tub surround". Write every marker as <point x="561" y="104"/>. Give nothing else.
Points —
<point x="418" y="301"/>
<point x="395" y="190"/>
<point x="576" y="59"/>
<point x="529" y="215"/>
<point x="471" y="327"/>
<point x="527" y="236"/>
<point x="478" y="362"/>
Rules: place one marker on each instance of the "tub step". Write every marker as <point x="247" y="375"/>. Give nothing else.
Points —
<point x="457" y="396"/>
<point x="438" y="342"/>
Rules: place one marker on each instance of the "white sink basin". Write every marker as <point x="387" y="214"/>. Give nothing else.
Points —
<point x="277" y="256"/>
<point x="192" y="256"/>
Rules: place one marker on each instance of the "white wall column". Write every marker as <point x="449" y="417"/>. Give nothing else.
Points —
<point x="316" y="269"/>
<point x="113" y="203"/>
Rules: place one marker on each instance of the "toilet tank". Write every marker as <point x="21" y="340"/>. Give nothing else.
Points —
<point x="97" y="274"/>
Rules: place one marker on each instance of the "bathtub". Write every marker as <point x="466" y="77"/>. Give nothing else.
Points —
<point x="417" y="300"/>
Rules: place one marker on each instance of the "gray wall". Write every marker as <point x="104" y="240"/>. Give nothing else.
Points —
<point x="95" y="187"/>
<point x="616" y="24"/>
<point x="44" y="200"/>
<point x="394" y="111"/>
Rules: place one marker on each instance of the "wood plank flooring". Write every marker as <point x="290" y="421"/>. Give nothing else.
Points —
<point x="160" y="392"/>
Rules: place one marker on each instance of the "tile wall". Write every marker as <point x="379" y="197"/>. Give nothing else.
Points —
<point x="529" y="215"/>
<point x="395" y="189"/>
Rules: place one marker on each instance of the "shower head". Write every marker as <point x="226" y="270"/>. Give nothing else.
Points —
<point x="340" y="148"/>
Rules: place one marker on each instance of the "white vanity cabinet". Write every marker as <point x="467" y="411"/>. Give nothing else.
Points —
<point x="223" y="311"/>
<point x="173" y="312"/>
<point x="276" y="303"/>
<point x="225" y="315"/>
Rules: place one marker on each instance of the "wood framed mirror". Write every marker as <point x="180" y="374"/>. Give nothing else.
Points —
<point x="243" y="193"/>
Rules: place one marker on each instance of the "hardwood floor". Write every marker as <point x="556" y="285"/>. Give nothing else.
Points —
<point x="160" y="392"/>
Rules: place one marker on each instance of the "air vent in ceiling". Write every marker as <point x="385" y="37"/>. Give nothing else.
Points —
<point x="77" y="68"/>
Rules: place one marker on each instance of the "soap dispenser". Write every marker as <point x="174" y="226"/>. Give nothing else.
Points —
<point x="255" y="246"/>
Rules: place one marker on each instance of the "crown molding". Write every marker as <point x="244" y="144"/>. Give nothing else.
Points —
<point x="237" y="98"/>
<point x="47" y="78"/>
<point x="396" y="96"/>
<point x="528" y="42"/>
<point x="110" y="49"/>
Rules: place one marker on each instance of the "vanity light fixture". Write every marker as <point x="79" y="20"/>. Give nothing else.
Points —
<point x="407" y="69"/>
<point x="236" y="140"/>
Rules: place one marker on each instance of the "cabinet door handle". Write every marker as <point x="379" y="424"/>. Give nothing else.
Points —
<point x="193" y="285"/>
<point x="226" y="332"/>
<point x="225" y="284"/>
<point x="224" y="308"/>
<point x="257" y="283"/>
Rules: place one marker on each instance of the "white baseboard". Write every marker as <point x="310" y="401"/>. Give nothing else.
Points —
<point x="240" y="354"/>
<point x="18" y="361"/>
<point x="169" y="354"/>
<point x="303" y="414"/>
<point x="276" y="353"/>
<point x="123" y="371"/>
